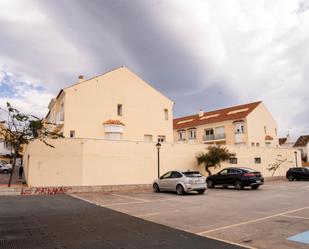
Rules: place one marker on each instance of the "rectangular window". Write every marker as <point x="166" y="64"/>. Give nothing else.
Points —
<point x="72" y="133"/>
<point x="233" y="160"/>
<point x="252" y="144"/>
<point x="119" y="109"/>
<point x="265" y="129"/>
<point x="192" y="133"/>
<point x="161" y="139"/>
<point x="257" y="160"/>
<point x="181" y="135"/>
<point x="165" y="114"/>
<point x="148" y="138"/>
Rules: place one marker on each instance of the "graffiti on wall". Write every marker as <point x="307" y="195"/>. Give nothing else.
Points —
<point x="45" y="190"/>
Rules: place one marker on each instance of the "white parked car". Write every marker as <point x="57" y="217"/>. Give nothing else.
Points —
<point x="181" y="182"/>
<point x="5" y="167"/>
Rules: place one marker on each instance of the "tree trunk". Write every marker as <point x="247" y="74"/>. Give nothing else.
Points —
<point x="13" y="168"/>
<point x="207" y="169"/>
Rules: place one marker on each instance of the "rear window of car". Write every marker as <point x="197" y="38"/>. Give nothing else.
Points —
<point x="192" y="174"/>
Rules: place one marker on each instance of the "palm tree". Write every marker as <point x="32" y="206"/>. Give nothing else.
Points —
<point x="213" y="157"/>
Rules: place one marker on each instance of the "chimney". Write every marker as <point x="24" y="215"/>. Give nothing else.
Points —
<point x="80" y="78"/>
<point x="201" y="113"/>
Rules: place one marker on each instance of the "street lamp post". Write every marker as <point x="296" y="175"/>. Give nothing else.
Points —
<point x="158" y="145"/>
<point x="295" y="153"/>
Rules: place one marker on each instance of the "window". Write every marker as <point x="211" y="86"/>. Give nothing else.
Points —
<point x="192" y="133"/>
<point x="267" y="144"/>
<point x="72" y="133"/>
<point x="209" y="132"/>
<point x="265" y="129"/>
<point x="119" y="109"/>
<point x="233" y="171"/>
<point x="252" y="144"/>
<point x="176" y="174"/>
<point x="257" y="144"/>
<point x="166" y="175"/>
<point x="233" y="160"/>
<point x="257" y="160"/>
<point x="148" y="138"/>
<point x="165" y="114"/>
<point x="223" y="172"/>
<point x="161" y="139"/>
<point x="181" y="135"/>
<point x="276" y="131"/>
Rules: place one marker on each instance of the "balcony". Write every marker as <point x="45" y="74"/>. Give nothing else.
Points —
<point x="214" y="137"/>
<point x="239" y="137"/>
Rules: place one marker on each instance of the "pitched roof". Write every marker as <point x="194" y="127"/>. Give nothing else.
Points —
<point x="302" y="141"/>
<point x="282" y="140"/>
<point x="231" y="113"/>
<point x="113" y="122"/>
<point x="267" y="137"/>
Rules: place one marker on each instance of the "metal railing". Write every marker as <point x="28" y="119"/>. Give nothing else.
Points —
<point x="214" y="137"/>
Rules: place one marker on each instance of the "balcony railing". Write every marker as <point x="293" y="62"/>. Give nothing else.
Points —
<point x="220" y="136"/>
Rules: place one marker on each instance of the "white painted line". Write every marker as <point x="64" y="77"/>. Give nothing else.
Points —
<point x="129" y="197"/>
<point x="307" y="186"/>
<point x="295" y="216"/>
<point x="251" y="221"/>
<point x="230" y="242"/>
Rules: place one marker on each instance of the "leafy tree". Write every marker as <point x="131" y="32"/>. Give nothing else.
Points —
<point x="213" y="157"/>
<point x="20" y="129"/>
<point x="276" y="165"/>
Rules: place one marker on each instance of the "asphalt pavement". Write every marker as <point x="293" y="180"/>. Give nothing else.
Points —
<point x="61" y="221"/>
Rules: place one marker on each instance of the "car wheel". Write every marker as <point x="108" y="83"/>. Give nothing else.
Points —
<point x="201" y="191"/>
<point x="5" y="171"/>
<point x="156" y="188"/>
<point x="180" y="190"/>
<point x="238" y="185"/>
<point x="255" y="186"/>
<point x="210" y="184"/>
<point x="291" y="178"/>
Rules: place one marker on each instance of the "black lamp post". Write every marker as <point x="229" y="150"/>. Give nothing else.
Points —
<point x="295" y="153"/>
<point x="158" y="145"/>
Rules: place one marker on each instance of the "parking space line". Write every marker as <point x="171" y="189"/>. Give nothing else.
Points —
<point x="295" y="216"/>
<point x="229" y="242"/>
<point x="252" y="221"/>
<point x="132" y="198"/>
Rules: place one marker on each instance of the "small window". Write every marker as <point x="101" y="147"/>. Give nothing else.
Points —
<point x="276" y="131"/>
<point x="165" y="114"/>
<point x="161" y="139"/>
<point x="233" y="160"/>
<point x="119" y="109"/>
<point x="265" y="129"/>
<point x="257" y="160"/>
<point x="257" y="144"/>
<point x="252" y="144"/>
<point x="209" y="131"/>
<point x="148" y="138"/>
<point x="72" y="133"/>
<point x="192" y="133"/>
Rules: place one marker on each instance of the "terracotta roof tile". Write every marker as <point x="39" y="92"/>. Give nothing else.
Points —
<point x="267" y="137"/>
<point x="282" y="140"/>
<point x="231" y="113"/>
<point x="302" y="141"/>
<point x="115" y="122"/>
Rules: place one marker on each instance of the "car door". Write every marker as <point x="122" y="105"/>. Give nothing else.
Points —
<point x="305" y="173"/>
<point x="233" y="175"/>
<point x="222" y="177"/>
<point x="163" y="183"/>
<point x="173" y="180"/>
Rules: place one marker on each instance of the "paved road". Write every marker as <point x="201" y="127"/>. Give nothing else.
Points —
<point x="61" y="221"/>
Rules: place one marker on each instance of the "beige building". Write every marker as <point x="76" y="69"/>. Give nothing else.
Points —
<point x="115" y="105"/>
<point x="250" y="124"/>
<point x="302" y="144"/>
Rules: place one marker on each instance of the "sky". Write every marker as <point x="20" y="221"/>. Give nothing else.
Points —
<point x="203" y="54"/>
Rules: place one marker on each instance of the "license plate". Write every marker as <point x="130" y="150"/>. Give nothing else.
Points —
<point x="199" y="181"/>
<point x="258" y="181"/>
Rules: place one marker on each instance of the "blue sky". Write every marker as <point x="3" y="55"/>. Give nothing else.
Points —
<point x="202" y="54"/>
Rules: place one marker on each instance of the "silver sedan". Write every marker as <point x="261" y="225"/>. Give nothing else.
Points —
<point x="181" y="182"/>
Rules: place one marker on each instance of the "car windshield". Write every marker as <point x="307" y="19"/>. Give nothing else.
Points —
<point x="192" y="174"/>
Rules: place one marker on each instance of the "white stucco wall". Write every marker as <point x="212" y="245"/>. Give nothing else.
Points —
<point x="90" y="162"/>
